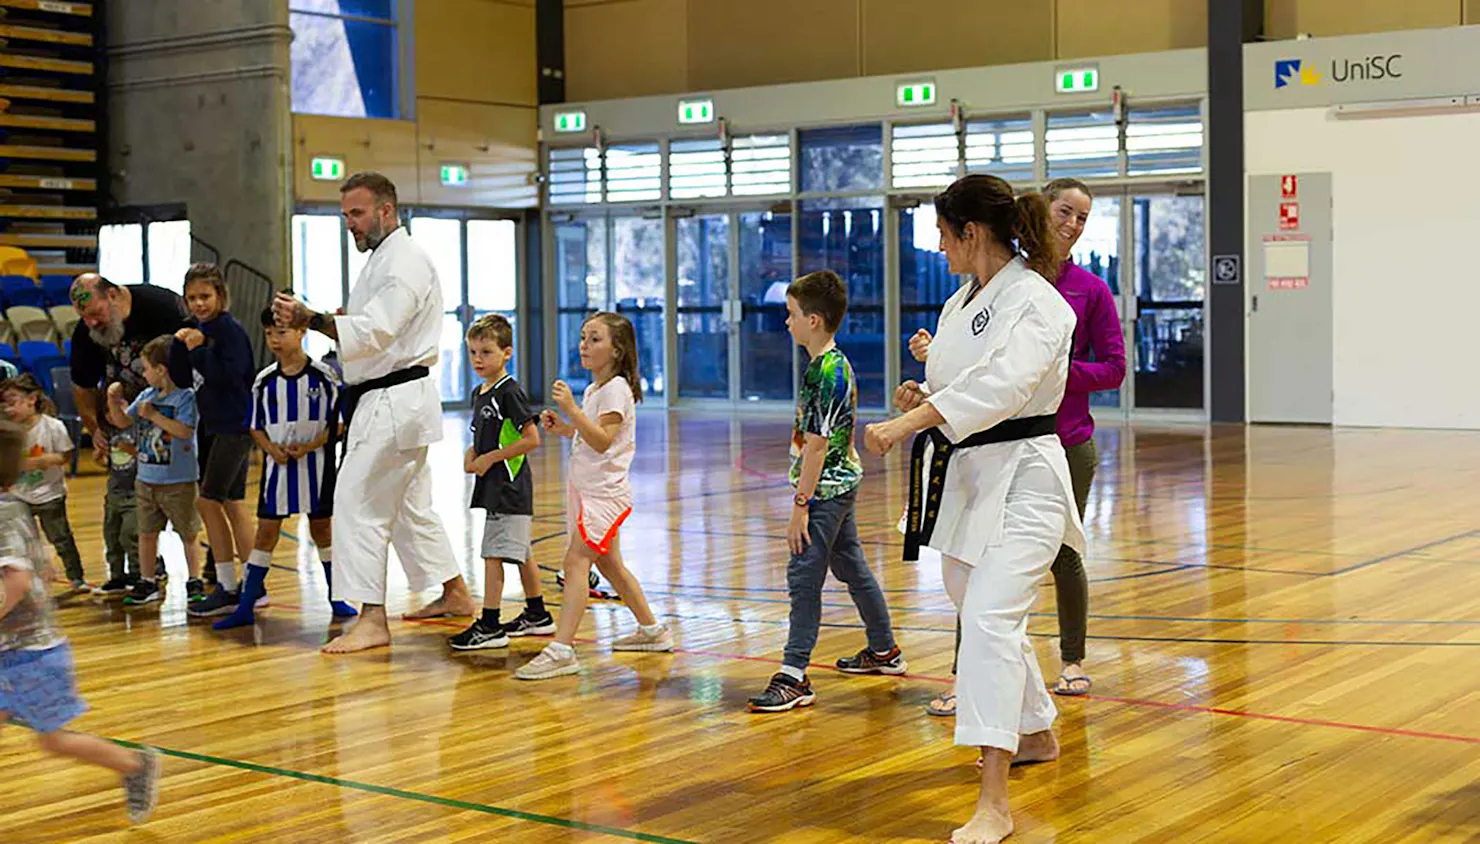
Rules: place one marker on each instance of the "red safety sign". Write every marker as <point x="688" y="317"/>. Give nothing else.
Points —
<point x="1289" y="216"/>
<point x="1289" y="186"/>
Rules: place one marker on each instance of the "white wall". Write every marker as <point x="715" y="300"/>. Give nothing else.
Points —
<point x="1406" y="257"/>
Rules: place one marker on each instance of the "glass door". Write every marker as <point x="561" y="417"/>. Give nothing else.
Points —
<point x="637" y="250"/>
<point x="580" y="288"/>
<point x="846" y="236"/>
<point x="763" y="350"/>
<point x="925" y="280"/>
<point x="318" y="271"/>
<point x="441" y="237"/>
<point x="1098" y="251"/>
<point x="704" y="306"/>
<point x="493" y="274"/>
<point x="1170" y="268"/>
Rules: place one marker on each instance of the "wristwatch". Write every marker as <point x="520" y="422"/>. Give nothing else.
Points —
<point x="802" y="500"/>
<point x="316" y="322"/>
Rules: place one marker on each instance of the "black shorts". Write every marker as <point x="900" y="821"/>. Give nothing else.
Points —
<point x="223" y="466"/>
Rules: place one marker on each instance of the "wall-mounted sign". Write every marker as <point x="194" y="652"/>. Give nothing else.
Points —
<point x="910" y="94"/>
<point x="1076" y="80"/>
<point x="570" y="121"/>
<point x="454" y="175"/>
<point x="326" y="168"/>
<point x="695" y="111"/>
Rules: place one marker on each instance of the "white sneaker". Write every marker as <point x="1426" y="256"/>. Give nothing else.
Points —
<point x="548" y="665"/>
<point x="640" y="641"/>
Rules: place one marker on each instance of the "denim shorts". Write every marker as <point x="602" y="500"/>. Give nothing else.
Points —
<point x="39" y="688"/>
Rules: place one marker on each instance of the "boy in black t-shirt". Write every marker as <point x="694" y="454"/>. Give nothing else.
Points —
<point x="505" y="429"/>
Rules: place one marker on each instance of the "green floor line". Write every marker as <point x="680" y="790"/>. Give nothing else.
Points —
<point x="411" y="795"/>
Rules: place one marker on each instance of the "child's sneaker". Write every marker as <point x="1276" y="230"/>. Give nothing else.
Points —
<point x="219" y="602"/>
<point x="782" y="694"/>
<point x="868" y="662"/>
<point x="141" y="788"/>
<point x="527" y="625"/>
<point x="548" y="665"/>
<point x="638" y="640"/>
<point x="79" y="586"/>
<point x="195" y="590"/>
<point x="161" y="574"/>
<point x="119" y="584"/>
<point x="478" y="637"/>
<point x="145" y="592"/>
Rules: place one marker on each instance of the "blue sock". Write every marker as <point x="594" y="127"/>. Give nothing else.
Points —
<point x="253" y="588"/>
<point x="340" y="608"/>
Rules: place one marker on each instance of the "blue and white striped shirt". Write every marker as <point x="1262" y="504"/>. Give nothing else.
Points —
<point x="294" y="409"/>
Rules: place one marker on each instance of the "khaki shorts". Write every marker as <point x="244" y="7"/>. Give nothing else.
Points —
<point x="167" y="503"/>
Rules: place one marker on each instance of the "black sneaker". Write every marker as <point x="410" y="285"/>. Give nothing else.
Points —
<point x="478" y="637"/>
<point x="782" y="694"/>
<point x="119" y="584"/>
<point x="161" y="574"/>
<point x="141" y="788"/>
<point x="145" y="592"/>
<point x="195" y="590"/>
<point x="528" y="625"/>
<point x="219" y="602"/>
<point x="868" y="662"/>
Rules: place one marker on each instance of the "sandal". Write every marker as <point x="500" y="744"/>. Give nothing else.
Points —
<point x="943" y="705"/>
<point x="1073" y="686"/>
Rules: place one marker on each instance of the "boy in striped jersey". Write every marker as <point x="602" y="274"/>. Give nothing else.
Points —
<point x="505" y="430"/>
<point x="293" y="405"/>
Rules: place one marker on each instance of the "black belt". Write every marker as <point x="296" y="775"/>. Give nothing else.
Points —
<point x="350" y="395"/>
<point x="920" y="523"/>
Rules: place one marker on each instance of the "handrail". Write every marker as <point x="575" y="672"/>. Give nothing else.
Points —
<point x="251" y="292"/>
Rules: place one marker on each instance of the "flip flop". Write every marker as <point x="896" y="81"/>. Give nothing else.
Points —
<point x="944" y="705"/>
<point x="1066" y="686"/>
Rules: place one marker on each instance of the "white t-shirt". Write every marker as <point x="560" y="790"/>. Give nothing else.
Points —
<point x="605" y="475"/>
<point x="39" y="486"/>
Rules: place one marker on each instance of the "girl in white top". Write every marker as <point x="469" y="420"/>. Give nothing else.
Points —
<point x="43" y="480"/>
<point x="599" y="494"/>
<point x="998" y="362"/>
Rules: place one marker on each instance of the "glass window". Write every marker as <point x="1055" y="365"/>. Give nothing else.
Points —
<point x="924" y="156"/>
<point x="1082" y="144"/>
<point x="846" y="236"/>
<point x="575" y="176"/>
<point x="345" y="57"/>
<point x="169" y="254"/>
<point x="925" y="282"/>
<point x="637" y="288"/>
<point x="357" y="259"/>
<point x="580" y="278"/>
<point x="493" y="265"/>
<point x="843" y="158"/>
<point x="1164" y="141"/>
<point x="765" y="271"/>
<point x="1170" y="286"/>
<point x="760" y="165"/>
<point x="452" y="361"/>
<point x="696" y="169"/>
<point x="634" y="173"/>
<point x="703" y="306"/>
<point x="121" y="253"/>
<point x="442" y="240"/>
<point x="1003" y="147"/>
<point x="317" y="270"/>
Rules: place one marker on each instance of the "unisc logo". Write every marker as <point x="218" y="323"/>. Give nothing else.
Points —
<point x="1288" y="72"/>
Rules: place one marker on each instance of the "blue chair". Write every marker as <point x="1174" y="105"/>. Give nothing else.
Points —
<point x="61" y="380"/>
<point x="57" y="289"/>
<point x="39" y="357"/>
<point x="20" y="290"/>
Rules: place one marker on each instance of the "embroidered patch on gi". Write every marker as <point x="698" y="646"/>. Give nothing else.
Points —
<point x="979" y="322"/>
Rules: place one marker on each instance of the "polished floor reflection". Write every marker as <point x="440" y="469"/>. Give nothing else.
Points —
<point x="1282" y="638"/>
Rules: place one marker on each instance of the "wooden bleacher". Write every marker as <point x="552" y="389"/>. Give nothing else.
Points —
<point x="51" y="169"/>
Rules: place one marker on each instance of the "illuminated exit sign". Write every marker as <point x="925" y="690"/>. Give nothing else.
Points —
<point x="912" y="94"/>
<point x="695" y="111"/>
<point x="570" y="121"/>
<point x="454" y="175"/>
<point x="326" y="169"/>
<point x="1078" y="80"/>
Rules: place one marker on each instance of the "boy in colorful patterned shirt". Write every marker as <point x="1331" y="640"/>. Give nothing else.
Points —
<point x="825" y="472"/>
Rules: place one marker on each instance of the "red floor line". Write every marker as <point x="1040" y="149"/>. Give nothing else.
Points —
<point x="1150" y="704"/>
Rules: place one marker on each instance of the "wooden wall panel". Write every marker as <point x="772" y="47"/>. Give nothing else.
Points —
<point x="1113" y="27"/>
<point x="385" y="146"/>
<point x="1287" y="18"/>
<point x="924" y="35"/>
<point x="476" y="50"/>
<point x="496" y="143"/>
<point x="766" y="42"/>
<point x="625" y="48"/>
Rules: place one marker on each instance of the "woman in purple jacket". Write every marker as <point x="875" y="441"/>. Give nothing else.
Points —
<point x="1097" y="363"/>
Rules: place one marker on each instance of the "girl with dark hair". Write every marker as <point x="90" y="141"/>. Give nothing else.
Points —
<point x="990" y="488"/>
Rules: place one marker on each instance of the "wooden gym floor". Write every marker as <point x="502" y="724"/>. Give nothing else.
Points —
<point x="1283" y="639"/>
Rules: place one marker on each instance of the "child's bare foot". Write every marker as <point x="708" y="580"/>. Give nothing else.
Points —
<point x="363" y="636"/>
<point x="987" y="826"/>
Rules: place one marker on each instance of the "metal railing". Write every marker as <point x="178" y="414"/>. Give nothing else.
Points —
<point x="251" y="291"/>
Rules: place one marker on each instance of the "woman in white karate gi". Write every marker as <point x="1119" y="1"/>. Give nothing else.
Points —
<point x="990" y="487"/>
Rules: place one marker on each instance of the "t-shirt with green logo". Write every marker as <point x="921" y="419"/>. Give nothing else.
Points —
<point x="500" y="413"/>
<point x="827" y="406"/>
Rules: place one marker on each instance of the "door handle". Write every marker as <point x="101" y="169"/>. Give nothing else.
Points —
<point x="1256" y="303"/>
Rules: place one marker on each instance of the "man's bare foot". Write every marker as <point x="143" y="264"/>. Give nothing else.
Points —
<point x="1038" y="747"/>
<point x="986" y="827"/>
<point x="455" y="600"/>
<point x="361" y="637"/>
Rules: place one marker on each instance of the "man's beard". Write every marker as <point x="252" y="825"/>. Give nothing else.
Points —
<point x="372" y="237"/>
<point x="113" y="334"/>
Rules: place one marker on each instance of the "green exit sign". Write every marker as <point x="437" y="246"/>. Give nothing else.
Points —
<point x="570" y="121"/>
<point x="695" y="111"/>
<point x="454" y="175"/>
<point x="326" y="168"/>
<point x="1079" y="80"/>
<point x="912" y="94"/>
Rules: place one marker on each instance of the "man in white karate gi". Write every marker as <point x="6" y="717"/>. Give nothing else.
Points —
<point x="388" y="336"/>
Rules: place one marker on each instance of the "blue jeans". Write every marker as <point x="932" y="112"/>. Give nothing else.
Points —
<point x="834" y="545"/>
